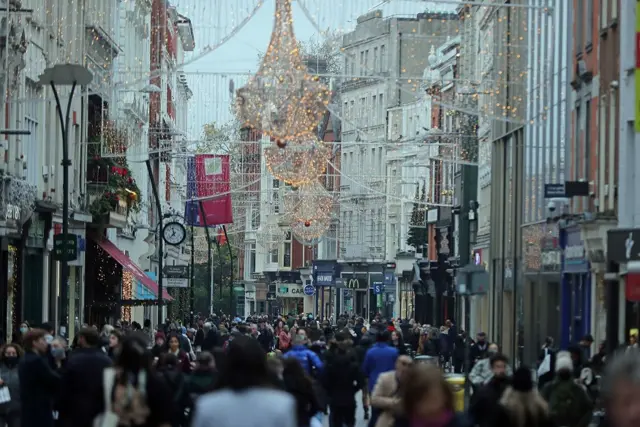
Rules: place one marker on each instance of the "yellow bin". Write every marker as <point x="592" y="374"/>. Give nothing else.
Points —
<point x="457" y="385"/>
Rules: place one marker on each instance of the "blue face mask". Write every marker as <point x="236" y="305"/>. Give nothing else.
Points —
<point x="24" y="330"/>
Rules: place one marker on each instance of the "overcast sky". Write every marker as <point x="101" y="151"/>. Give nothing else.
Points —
<point x="214" y="20"/>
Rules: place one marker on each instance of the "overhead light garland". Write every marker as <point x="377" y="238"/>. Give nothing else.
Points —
<point x="298" y="163"/>
<point x="282" y="100"/>
<point x="270" y="235"/>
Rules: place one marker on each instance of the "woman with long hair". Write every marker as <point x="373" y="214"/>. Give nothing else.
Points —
<point x="427" y="400"/>
<point x="300" y="385"/>
<point x="245" y="382"/>
<point x="10" y="355"/>
<point x="521" y="405"/>
<point x="137" y="395"/>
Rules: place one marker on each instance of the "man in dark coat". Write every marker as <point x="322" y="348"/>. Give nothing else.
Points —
<point x="38" y="382"/>
<point x="484" y="403"/>
<point x="81" y="393"/>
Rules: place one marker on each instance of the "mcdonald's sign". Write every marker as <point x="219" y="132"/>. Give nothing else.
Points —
<point x="352" y="283"/>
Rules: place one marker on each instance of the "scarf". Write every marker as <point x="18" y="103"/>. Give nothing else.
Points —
<point x="441" y="421"/>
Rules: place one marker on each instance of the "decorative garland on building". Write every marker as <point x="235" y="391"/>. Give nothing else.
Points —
<point x="114" y="177"/>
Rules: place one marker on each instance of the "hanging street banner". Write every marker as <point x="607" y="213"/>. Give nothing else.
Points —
<point x="208" y="175"/>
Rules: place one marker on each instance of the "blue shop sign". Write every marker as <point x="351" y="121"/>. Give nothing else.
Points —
<point x="324" y="278"/>
<point x="389" y="278"/>
<point x="575" y="260"/>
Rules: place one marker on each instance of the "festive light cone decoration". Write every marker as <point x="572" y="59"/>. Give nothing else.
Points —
<point x="300" y="163"/>
<point x="310" y="203"/>
<point x="309" y="234"/>
<point x="282" y="99"/>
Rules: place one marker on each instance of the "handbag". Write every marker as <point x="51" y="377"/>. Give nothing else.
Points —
<point x="108" y="418"/>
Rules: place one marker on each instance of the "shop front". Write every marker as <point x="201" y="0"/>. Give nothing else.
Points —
<point x="323" y="297"/>
<point x="541" y="265"/>
<point x="575" y="306"/>
<point x="290" y="297"/>
<point x="11" y="268"/>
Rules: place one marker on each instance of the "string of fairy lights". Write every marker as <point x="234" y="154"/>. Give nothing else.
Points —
<point x="286" y="101"/>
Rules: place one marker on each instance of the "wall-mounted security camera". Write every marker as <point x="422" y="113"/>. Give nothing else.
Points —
<point x="551" y="207"/>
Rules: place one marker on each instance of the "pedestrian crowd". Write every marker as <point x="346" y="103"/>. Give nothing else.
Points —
<point x="297" y="371"/>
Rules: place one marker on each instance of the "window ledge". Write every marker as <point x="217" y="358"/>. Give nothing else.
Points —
<point x="579" y="55"/>
<point x="604" y="32"/>
<point x="614" y="23"/>
<point x="589" y="47"/>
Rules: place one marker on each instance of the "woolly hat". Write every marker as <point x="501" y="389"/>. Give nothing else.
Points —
<point x="521" y="380"/>
<point x="564" y="361"/>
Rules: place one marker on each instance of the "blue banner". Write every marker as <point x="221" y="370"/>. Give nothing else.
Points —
<point x="389" y="278"/>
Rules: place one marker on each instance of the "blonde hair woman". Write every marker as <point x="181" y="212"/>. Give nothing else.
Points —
<point x="521" y="405"/>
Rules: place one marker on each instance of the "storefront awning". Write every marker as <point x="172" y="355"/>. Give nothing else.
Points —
<point x="126" y="263"/>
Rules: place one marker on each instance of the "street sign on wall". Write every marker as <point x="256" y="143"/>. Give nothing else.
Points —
<point x="65" y="247"/>
<point x="176" y="276"/>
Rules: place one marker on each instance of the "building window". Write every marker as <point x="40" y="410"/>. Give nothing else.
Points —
<point x="366" y="62"/>
<point x="589" y="21"/>
<point x="255" y="219"/>
<point x="374" y="108"/>
<point x="604" y="13"/>
<point x="614" y="9"/>
<point x="31" y="146"/>
<point x="579" y="37"/>
<point x="252" y="259"/>
<point x="576" y="144"/>
<point x="382" y="114"/>
<point x="375" y="60"/>
<point x="383" y="58"/>
<point x="587" y="140"/>
<point x="361" y="63"/>
<point x="273" y="256"/>
<point x="286" y="253"/>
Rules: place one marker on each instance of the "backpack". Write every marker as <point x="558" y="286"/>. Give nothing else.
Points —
<point x="564" y="403"/>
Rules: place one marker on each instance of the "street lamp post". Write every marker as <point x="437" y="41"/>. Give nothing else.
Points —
<point x="65" y="75"/>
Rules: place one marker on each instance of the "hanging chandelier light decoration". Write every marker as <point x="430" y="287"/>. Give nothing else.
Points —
<point x="282" y="99"/>
<point x="310" y="233"/>
<point x="311" y="202"/>
<point x="300" y="163"/>
<point x="270" y="235"/>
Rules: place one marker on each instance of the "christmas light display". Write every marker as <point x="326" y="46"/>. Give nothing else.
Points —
<point x="283" y="100"/>
<point x="309" y="232"/>
<point x="270" y="235"/>
<point x="299" y="163"/>
<point x="308" y="203"/>
<point x="127" y="294"/>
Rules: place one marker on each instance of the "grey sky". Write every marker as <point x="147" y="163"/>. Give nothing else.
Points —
<point x="213" y="20"/>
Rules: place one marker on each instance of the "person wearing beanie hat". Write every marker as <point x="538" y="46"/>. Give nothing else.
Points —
<point x="569" y="404"/>
<point x="564" y="362"/>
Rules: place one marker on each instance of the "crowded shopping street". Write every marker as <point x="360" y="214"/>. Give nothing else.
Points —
<point x="319" y="213"/>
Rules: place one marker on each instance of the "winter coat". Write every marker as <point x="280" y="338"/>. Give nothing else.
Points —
<point x="11" y="379"/>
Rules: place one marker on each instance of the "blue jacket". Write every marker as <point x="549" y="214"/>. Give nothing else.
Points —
<point x="380" y="358"/>
<point x="307" y="358"/>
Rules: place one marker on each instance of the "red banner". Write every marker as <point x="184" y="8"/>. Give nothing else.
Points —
<point x="213" y="179"/>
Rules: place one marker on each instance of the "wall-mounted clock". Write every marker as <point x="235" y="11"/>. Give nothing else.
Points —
<point x="174" y="233"/>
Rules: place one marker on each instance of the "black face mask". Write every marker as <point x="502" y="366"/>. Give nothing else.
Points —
<point x="11" y="361"/>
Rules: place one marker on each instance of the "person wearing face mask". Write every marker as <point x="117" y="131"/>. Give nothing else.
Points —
<point x="569" y="403"/>
<point x="58" y="349"/>
<point x="479" y="349"/>
<point x="159" y="346"/>
<point x="482" y="373"/>
<point x="21" y="332"/>
<point x="9" y="358"/>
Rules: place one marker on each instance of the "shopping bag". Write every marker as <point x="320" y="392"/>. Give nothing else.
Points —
<point x="545" y="366"/>
<point x="5" y="396"/>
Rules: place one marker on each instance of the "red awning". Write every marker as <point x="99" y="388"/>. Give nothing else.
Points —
<point x="126" y="263"/>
